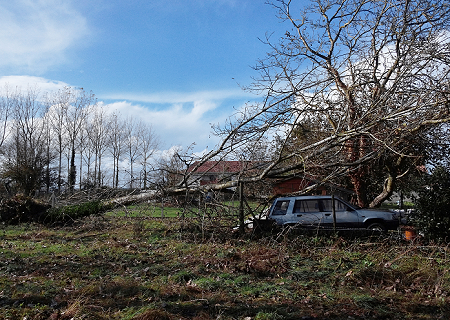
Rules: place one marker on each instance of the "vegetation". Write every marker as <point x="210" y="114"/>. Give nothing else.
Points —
<point x="21" y="208"/>
<point x="40" y="131"/>
<point x="432" y="215"/>
<point x="116" y="267"/>
<point x="72" y="212"/>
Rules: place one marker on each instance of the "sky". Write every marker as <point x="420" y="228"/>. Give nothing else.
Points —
<point x="178" y="65"/>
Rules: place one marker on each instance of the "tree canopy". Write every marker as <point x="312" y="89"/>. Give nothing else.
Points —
<point x="350" y="93"/>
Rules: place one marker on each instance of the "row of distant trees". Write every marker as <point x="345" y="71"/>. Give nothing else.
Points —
<point x="66" y="140"/>
<point x="355" y="94"/>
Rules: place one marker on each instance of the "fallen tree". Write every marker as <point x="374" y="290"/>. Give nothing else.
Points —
<point x="351" y="92"/>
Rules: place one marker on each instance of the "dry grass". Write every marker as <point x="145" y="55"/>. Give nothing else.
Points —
<point x="116" y="267"/>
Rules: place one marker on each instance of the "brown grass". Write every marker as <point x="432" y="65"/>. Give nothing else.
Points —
<point x="120" y="268"/>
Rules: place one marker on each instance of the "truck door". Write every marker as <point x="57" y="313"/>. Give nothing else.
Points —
<point x="307" y="212"/>
<point x="346" y="217"/>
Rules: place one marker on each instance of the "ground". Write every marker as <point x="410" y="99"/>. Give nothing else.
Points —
<point x="119" y="267"/>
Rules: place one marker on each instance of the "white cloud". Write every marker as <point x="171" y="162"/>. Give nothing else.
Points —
<point x="37" y="34"/>
<point x="25" y="82"/>
<point x="180" y="118"/>
<point x="177" y="124"/>
<point x="179" y="97"/>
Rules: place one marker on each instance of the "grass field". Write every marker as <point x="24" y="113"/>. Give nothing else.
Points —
<point x="129" y="265"/>
<point x="157" y="210"/>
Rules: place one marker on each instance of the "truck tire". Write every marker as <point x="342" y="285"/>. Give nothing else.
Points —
<point x="377" y="227"/>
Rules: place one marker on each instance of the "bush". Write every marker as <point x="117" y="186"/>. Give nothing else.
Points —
<point x="432" y="215"/>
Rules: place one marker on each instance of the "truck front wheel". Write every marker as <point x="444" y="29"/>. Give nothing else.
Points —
<point x="377" y="227"/>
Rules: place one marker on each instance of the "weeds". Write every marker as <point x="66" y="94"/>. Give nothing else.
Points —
<point x="117" y="267"/>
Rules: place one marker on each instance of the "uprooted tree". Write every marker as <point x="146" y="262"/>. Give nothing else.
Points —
<point x="351" y="92"/>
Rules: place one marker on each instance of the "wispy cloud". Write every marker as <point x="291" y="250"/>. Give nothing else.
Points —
<point x="35" y="35"/>
<point x="177" y="124"/>
<point x="180" y="97"/>
<point x="23" y="83"/>
<point x="181" y="118"/>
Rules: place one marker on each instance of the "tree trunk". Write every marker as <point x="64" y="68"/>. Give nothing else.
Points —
<point x="81" y="169"/>
<point x="60" y="167"/>
<point x="72" y="174"/>
<point x="131" y="175"/>
<point x="99" y="171"/>
<point x="117" y="174"/>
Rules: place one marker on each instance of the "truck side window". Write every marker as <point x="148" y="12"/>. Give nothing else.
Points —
<point x="306" y="206"/>
<point x="281" y="207"/>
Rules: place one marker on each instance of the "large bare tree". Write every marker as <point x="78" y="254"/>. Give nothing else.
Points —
<point x="6" y="109"/>
<point x="80" y="103"/>
<point x="351" y="86"/>
<point x="133" y="130"/>
<point x="99" y="136"/>
<point x="117" y="145"/>
<point x="149" y="143"/>
<point x="57" y="104"/>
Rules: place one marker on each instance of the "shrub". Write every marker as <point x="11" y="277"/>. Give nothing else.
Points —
<point x="432" y="215"/>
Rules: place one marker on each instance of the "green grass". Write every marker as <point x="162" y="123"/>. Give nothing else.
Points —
<point x="150" y="210"/>
<point x="142" y="267"/>
<point x="156" y="210"/>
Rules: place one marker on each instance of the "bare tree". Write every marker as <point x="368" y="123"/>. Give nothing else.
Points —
<point x="99" y="136"/>
<point x="133" y="130"/>
<point x="83" y="143"/>
<point x="149" y="144"/>
<point x="172" y="168"/>
<point x="76" y="113"/>
<point x="351" y="86"/>
<point x="57" y="105"/>
<point x="6" y="109"/>
<point x="50" y="152"/>
<point x="24" y="157"/>
<point x="117" y="135"/>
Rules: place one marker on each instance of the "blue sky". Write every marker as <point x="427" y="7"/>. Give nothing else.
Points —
<point x="176" y="64"/>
